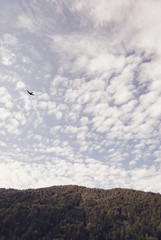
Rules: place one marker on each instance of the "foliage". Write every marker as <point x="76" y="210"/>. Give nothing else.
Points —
<point x="78" y="213"/>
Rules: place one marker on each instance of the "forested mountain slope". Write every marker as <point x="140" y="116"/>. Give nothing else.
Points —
<point x="79" y="213"/>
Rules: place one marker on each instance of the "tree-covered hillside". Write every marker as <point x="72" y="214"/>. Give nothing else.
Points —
<point x="79" y="213"/>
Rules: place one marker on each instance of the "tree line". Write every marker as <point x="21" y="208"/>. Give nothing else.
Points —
<point x="79" y="213"/>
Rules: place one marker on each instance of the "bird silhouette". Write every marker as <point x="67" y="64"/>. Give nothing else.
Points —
<point x="31" y="93"/>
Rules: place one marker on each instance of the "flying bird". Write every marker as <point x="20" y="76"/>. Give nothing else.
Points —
<point x="31" y="93"/>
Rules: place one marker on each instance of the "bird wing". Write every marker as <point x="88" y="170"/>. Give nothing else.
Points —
<point x="31" y="93"/>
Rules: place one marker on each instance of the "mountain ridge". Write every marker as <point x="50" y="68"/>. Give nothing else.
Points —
<point x="78" y="213"/>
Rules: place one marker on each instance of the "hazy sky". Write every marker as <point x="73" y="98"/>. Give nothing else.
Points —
<point x="95" y="69"/>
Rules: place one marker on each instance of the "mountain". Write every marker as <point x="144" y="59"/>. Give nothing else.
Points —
<point x="79" y="213"/>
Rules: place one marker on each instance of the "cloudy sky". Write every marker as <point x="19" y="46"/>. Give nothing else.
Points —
<point x="95" y="69"/>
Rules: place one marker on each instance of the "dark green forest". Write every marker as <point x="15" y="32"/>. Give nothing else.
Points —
<point x="79" y="213"/>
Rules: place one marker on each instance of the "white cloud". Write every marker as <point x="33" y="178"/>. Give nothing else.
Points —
<point x="84" y="120"/>
<point x="106" y="62"/>
<point x="84" y="55"/>
<point x="25" y="21"/>
<point x="147" y="24"/>
<point x="9" y="39"/>
<point x="6" y="98"/>
<point x="7" y="57"/>
<point x="20" y="85"/>
<point x="105" y="12"/>
<point x="123" y="95"/>
<point x="4" y="114"/>
<point x="55" y="130"/>
<point x="95" y="118"/>
<point x="90" y="173"/>
<point x="58" y="115"/>
<point x="21" y="118"/>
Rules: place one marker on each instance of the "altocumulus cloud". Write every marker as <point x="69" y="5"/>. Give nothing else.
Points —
<point x="95" y="117"/>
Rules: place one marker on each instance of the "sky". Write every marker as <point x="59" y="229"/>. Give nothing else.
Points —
<point x="95" y="69"/>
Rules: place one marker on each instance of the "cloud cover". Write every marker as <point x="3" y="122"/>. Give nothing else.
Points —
<point x="95" y="118"/>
